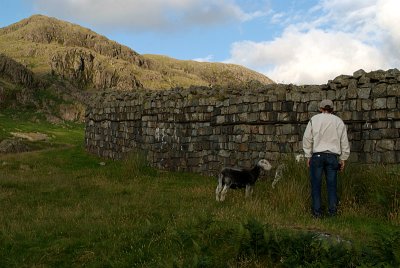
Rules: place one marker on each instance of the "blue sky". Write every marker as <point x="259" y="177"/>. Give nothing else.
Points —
<point x="300" y="42"/>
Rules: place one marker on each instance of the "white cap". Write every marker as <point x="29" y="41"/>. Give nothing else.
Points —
<point x="325" y="103"/>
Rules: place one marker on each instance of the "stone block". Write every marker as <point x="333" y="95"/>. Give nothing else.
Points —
<point x="263" y="116"/>
<point x="354" y="157"/>
<point x="359" y="73"/>
<point x="390" y="133"/>
<point x="305" y="98"/>
<point x="315" y="96"/>
<point x="352" y="89"/>
<point x="253" y="117"/>
<point x="379" y="124"/>
<point x="296" y="97"/>
<point x="269" y="130"/>
<point x="341" y="94"/>
<point x="379" y="103"/>
<point x="313" y="106"/>
<point x="380" y="114"/>
<point x="243" y="147"/>
<point x="342" y="80"/>
<point x="346" y="105"/>
<point x="272" y="116"/>
<point x="273" y="156"/>
<point x="330" y="94"/>
<point x="286" y="117"/>
<point x="366" y="104"/>
<point x="287" y="106"/>
<point x="364" y="80"/>
<point x="345" y="116"/>
<point x="364" y="92"/>
<point x="303" y="117"/>
<point x="389" y="157"/>
<point x="376" y="76"/>
<point x="385" y="145"/>
<point x="254" y="129"/>
<point x="375" y="134"/>
<point x="332" y="86"/>
<point x="301" y="107"/>
<point x="357" y="116"/>
<point x="254" y="107"/>
<point x="393" y="90"/>
<point x="220" y="119"/>
<point x="243" y="117"/>
<point x="286" y="129"/>
<point x="391" y="102"/>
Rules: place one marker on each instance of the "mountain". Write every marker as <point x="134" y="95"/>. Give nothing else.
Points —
<point x="68" y="61"/>
<point x="51" y="46"/>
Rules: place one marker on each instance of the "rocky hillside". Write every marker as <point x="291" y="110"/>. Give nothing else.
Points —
<point x="16" y="72"/>
<point x="20" y="88"/>
<point x="17" y="83"/>
<point x="90" y="61"/>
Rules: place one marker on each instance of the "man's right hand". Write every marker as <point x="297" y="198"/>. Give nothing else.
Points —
<point x="342" y="164"/>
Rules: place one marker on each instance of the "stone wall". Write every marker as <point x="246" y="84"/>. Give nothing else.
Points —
<point x="202" y="129"/>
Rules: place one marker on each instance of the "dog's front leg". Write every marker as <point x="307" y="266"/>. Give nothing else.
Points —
<point x="223" y="193"/>
<point x="218" y="191"/>
<point x="249" y="190"/>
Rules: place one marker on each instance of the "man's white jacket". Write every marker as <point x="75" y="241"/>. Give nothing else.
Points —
<point x="326" y="133"/>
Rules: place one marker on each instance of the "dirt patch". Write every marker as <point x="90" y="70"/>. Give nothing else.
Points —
<point x="31" y="136"/>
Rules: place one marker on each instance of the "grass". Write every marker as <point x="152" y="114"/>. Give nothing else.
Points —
<point x="62" y="207"/>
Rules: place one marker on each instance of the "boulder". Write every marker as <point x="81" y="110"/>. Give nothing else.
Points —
<point x="13" y="146"/>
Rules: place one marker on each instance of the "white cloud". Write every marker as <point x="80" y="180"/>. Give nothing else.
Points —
<point x="307" y="58"/>
<point x="344" y="37"/>
<point x="146" y="15"/>
<point x="389" y="20"/>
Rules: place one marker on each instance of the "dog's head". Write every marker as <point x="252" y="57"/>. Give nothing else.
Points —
<point x="264" y="164"/>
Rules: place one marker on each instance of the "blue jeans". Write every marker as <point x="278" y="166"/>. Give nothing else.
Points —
<point x="324" y="163"/>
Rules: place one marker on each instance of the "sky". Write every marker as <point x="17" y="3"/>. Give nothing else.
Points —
<point x="299" y="42"/>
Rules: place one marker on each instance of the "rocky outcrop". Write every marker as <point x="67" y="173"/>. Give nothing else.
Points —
<point x="72" y="112"/>
<point x="16" y="72"/>
<point x="86" y="69"/>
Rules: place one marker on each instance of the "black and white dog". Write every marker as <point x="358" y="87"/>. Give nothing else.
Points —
<point x="239" y="178"/>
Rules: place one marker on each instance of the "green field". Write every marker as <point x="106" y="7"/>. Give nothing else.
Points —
<point x="62" y="207"/>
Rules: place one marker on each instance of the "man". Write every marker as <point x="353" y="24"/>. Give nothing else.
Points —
<point x="324" y="141"/>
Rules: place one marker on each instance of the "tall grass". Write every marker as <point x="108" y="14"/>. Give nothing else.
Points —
<point x="62" y="207"/>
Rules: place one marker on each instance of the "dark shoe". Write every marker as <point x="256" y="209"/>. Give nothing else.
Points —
<point x="317" y="215"/>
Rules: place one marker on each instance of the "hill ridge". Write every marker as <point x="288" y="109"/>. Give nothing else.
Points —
<point x="51" y="30"/>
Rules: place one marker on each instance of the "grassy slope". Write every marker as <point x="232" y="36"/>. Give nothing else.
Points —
<point x="207" y="72"/>
<point x="61" y="208"/>
<point x="34" y="56"/>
